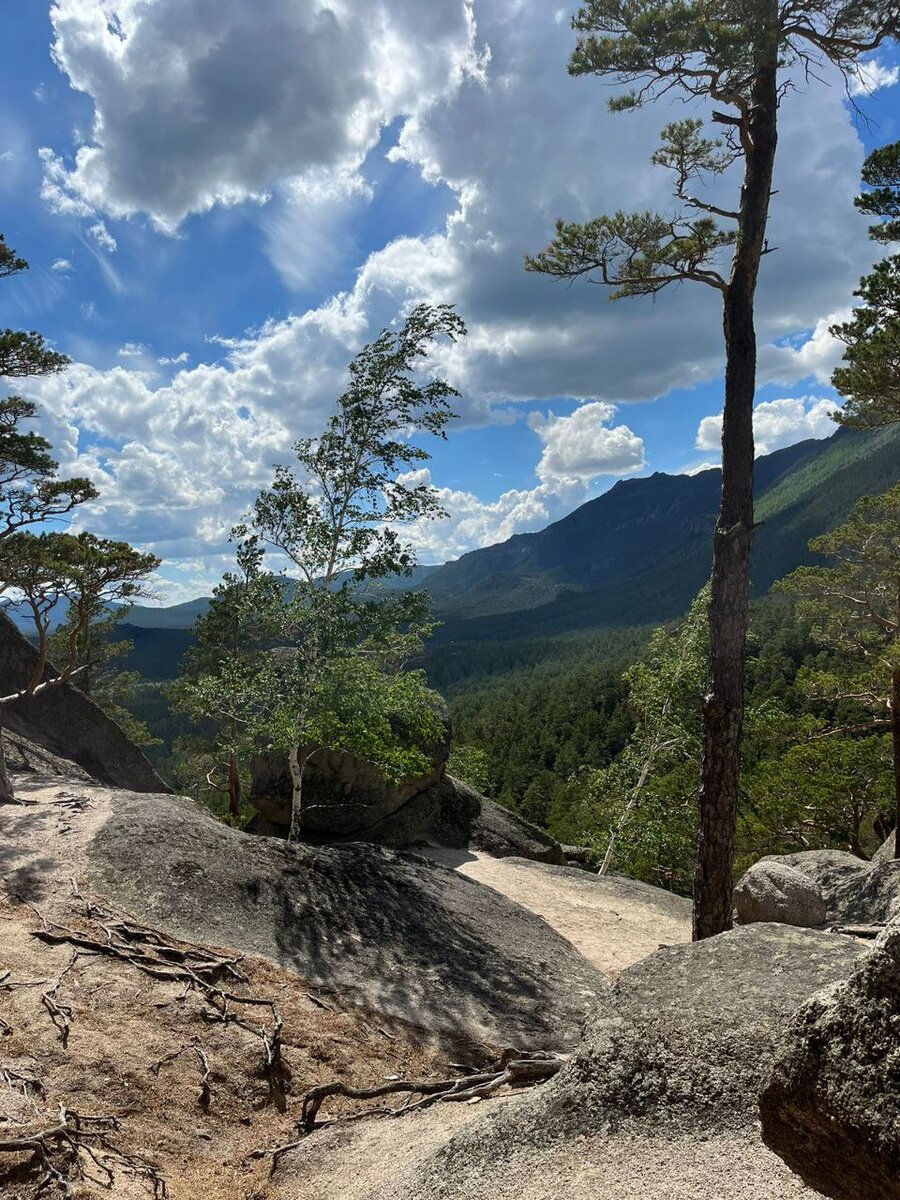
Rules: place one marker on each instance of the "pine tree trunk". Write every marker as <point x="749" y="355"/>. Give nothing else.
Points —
<point x="723" y="709"/>
<point x="895" y="738"/>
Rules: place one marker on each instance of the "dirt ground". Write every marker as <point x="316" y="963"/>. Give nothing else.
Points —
<point x="613" y="922"/>
<point x="123" y="1023"/>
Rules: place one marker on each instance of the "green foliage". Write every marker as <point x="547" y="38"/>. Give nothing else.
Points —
<point x="29" y="490"/>
<point x="854" y="605"/>
<point x="472" y="765"/>
<point x="41" y="572"/>
<point x="825" y="792"/>
<point x="336" y="676"/>
<point x="870" y="376"/>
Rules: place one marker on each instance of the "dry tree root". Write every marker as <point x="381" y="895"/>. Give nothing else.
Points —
<point x="198" y="967"/>
<point x="514" y="1069"/>
<point x="205" y="1088"/>
<point x="61" y="1149"/>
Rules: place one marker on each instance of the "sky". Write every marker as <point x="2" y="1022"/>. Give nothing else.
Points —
<point x="222" y="202"/>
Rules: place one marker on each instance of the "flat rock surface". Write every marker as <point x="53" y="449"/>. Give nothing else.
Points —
<point x="393" y="933"/>
<point x="613" y="921"/>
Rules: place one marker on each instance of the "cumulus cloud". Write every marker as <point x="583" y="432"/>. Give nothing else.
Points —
<point x="777" y="423"/>
<point x="585" y="445"/>
<point x="62" y="265"/>
<point x="872" y="76"/>
<point x="252" y="105"/>
<point x="177" y="360"/>
<point x="256" y="94"/>
<point x="805" y="357"/>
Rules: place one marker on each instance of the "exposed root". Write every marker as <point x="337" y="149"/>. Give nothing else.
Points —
<point x="205" y="1089"/>
<point x="198" y="967"/>
<point x="75" y="1142"/>
<point x="60" y="1014"/>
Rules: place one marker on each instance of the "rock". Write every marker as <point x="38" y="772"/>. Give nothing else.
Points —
<point x="392" y="933"/>
<point x="582" y="856"/>
<point x="885" y="852"/>
<point x="773" y="891"/>
<point x="345" y="797"/>
<point x="68" y="724"/>
<point x="830" y="1104"/>
<point x="468" y="820"/>
<point x="678" y="1049"/>
<point x="855" y="892"/>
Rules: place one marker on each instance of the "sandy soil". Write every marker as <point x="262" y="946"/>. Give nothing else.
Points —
<point x="613" y="922"/>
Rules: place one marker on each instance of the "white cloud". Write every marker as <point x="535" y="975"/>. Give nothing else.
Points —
<point x="7" y="156"/>
<point x="777" y="423"/>
<point x="513" y="144"/>
<point x="585" y="445"/>
<point x="811" y="357"/>
<point x="61" y="265"/>
<point x="132" y="350"/>
<point x="103" y="237"/>
<point x="254" y="96"/>
<point x="178" y="360"/>
<point x="872" y="76"/>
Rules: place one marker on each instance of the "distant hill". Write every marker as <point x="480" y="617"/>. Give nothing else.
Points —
<point x="636" y="555"/>
<point x="640" y="552"/>
<point x="183" y="616"/>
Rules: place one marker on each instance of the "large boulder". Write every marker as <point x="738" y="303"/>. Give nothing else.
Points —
<point x="344" y="796"/>
<point x="468" y="820"/>
<point x="830" y="1104"/>
<point x="885" y="852"/>
<point x="67" y="723"/>
<point x="393" y="933"/>
<point x="773" y="891"/>
<point x="677" y="1051"/>
<point x="855" y="892"/>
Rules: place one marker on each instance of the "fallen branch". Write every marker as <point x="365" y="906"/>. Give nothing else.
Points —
<point x="859" y="931"/>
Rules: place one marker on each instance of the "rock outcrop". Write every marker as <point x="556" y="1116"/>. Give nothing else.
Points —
<point x="773" y="891"/>
<point x="67" y="723"/>
<point x="678" y="1049"/>
<point x="392" y="933"/>
<point x="347" y="801"/>
<point x="467" y="820"/>
<point x="343" y="796"/>
<point x="855" y="892"/>
<point x="830" y="1105"/>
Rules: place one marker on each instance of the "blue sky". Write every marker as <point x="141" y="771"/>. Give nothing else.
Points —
<point x="222" y="202"/>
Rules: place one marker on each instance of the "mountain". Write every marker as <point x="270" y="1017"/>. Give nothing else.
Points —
<point x="634" y="556"/>
<point x="183" y="616"/>
<point x="640" y="552"/>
